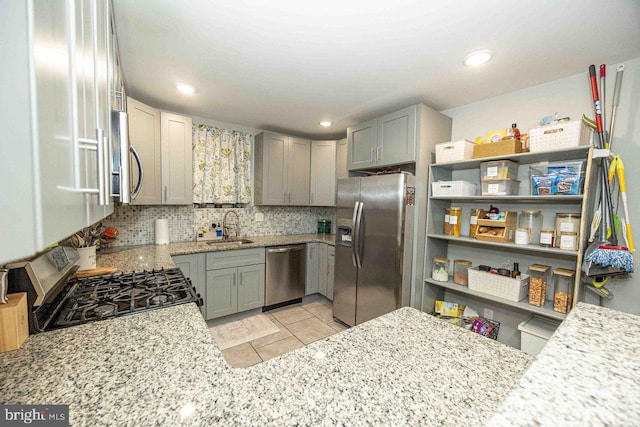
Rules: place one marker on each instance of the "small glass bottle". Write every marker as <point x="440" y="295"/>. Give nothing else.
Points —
<point x="563" y="289"/>
<point x="461" y="271"/>
<point x="515" y="273"/>
<point x="440" y="269"/>
<point x="515" y="131"/>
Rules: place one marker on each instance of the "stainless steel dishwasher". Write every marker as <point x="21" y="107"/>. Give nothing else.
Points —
<point x="286" y="273"/>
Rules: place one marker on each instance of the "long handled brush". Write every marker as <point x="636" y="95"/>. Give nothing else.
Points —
<point x="609" y="258"/>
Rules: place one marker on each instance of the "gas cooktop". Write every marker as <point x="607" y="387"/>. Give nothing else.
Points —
<point x="104" y="297"/>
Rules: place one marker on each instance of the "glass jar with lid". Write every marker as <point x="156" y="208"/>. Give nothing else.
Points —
<point x="563" y="289"/>
<point x="447" y="226"/>
<point x="533" y="221"/>
<point x="440" y="269"/>
<point x="566" y="222"/>
<point x="455" y="221"/>
<point x="461" y="271"/>
<point x="473" y="222"/>
<point x="547" y="237"/>
<point x="539" y="277"/>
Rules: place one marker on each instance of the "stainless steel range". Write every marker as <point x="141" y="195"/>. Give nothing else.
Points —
<point x="56" y="302"/>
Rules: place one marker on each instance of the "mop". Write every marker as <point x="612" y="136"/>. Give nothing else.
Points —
<point x="604" y="259"/>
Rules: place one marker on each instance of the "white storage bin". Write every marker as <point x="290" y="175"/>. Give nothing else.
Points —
<point x="558" y="136"/>
<point x="500" y="187"/>
<point x="534" y="334"/>
<point x="454" y="151"/>
<point x="453" y="188"/>
<point x="499" y="286"/>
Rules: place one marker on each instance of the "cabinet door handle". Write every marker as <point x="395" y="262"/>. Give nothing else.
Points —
<point x="234" y="279"/>
<point x="378" y="154"/>
<point x="289" y="197"/>
<point x="240" y="284"/>
<point x="165" y="194"/>
<point x="100" y="158"/>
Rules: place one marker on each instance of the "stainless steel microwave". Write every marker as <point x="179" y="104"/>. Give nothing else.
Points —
<point x="121" y="172"/>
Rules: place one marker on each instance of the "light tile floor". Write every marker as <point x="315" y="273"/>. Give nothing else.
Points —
<point x="299" y="324"/>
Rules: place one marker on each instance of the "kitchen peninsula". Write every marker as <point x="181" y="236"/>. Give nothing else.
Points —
<point x="163" y="367"/>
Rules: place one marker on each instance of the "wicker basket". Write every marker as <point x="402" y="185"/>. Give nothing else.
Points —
<point x="499" y="286"/>
<point x="559" y="136"/>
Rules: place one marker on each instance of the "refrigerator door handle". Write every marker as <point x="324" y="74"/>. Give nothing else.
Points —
<point x="357" y="244"/>
<point x="353" y="233"/>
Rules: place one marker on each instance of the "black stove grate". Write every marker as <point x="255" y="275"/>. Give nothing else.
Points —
<point x="105" y="297"/>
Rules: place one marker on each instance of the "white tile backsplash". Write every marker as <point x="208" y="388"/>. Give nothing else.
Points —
<point x="135" y="224"/>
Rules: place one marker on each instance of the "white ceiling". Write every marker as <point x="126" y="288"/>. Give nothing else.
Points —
<point x="285" y="65"/>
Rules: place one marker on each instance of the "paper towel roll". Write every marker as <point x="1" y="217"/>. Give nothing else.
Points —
<point x="162" y="231"/>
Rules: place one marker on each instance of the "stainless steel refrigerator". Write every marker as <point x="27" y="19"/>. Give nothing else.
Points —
<point x="374" y="246"/>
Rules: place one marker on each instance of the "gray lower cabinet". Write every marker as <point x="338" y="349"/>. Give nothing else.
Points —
<point x="313" y="268"/>
<point x="234" y="290"/>
<point x="192" y="266"/>
<point x="320" y="269"/>
<point x="331" y="263"/>
<point x="222" y="293"/>
<point x="235" y="281"/>
<point x="250" y="287"/>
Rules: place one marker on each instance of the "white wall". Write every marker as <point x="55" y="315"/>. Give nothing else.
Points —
<point x="571" y="96"/>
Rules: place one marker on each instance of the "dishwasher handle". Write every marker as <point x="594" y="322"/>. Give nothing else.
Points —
<point x="286" y="248"/>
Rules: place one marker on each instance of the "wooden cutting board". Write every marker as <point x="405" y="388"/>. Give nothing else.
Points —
<point x="94" y="272"/>
<point x="14" y="326"/>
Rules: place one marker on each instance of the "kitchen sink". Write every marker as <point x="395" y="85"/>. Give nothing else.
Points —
<point x="230" y="242"/>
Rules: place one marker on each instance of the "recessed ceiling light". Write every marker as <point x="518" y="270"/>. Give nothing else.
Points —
<point x="186" y="89"/>
<point x="477" y="58"/>
<point x="325" y="123"/>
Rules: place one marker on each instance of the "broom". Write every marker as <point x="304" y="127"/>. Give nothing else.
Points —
<point x="605" y="253"/>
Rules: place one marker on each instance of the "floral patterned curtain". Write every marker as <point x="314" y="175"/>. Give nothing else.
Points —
<point x="221" y="165"/>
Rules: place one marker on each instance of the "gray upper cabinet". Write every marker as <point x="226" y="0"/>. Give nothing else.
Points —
<point x="53" y="90"/>
<point x="163" y="141"/>
<point x="362" y="145"/>
<point x="144" y="136"/>
<point x="282" y="170"/>
<point x="387" y="140"/>
<point x="299" y="170"/>
<point x="177" y="167"/>
<point x="342" y="171"/>
<point x="323" y="173"/>
<point x="397" y="137"/>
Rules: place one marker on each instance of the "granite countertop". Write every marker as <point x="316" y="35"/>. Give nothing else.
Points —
<point x="587" y="374"/>
<point x="163" y="367"/>
<point x="147" y="257"/>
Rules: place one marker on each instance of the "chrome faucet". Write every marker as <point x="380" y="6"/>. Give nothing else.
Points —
<point x="235" y="226"/>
